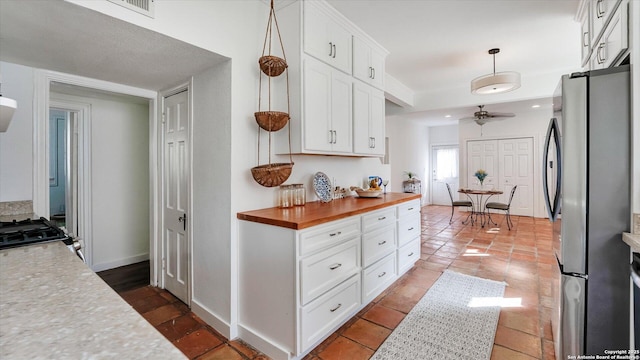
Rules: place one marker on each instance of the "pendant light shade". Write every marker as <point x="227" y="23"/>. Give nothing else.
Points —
<point x="497" y="82"/>
<point x="7" y="107"/>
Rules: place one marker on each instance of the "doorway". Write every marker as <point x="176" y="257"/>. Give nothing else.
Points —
<point x="63" y="168"/>
<point x="444" y="160"/>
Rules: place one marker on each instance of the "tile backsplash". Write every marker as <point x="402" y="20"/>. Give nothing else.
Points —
<point x="16" y="207"/>
<point x="636" y="224"/>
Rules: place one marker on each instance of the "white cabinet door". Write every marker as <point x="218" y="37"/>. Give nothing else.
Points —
<point x="317" y="106"/>
<point x="600" y="11"/>
<point x="341" y="112"/>
<point x="368" y="64"/>
<point x="368" y="119"/>
<point x="327" y="108"/>
<point x="326" y="39"/>
<point x="613" y="42"/>
<point x="586" y="37"/>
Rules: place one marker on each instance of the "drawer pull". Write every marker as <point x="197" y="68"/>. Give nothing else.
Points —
<point x="382" y="218"/>
<point x="383" y="274"/>
<point x="335" y="308"/>
<point x="409" y="209"/>
<point x="409" y="229"/>
<point x="410" y="255"/>
<point x="334" y="234"/>
<point x="382" y="243"/>
<point x="335" y="266"/>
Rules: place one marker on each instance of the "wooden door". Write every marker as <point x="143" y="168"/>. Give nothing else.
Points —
<point x="176" y="258"/>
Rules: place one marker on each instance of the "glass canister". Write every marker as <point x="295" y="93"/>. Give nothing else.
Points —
<point x="300" y="196"/>
<point x="286" y="197"/>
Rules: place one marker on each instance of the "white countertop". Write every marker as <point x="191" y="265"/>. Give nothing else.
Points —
<point x="633" y="240"/>
<point x="52" y="306"/>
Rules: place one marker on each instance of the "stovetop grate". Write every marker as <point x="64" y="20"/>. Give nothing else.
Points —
<point x="28" y="231"/>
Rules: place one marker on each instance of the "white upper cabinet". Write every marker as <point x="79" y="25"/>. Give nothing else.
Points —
<point x="325" y="38"/>
<point x="327" y="108"/>
<point x="604" y="33"/>
<point x="614" y="41"/>
<point x="319" y="43"/>
<point x="368" y="63"/>
<point x="368" y="120"/>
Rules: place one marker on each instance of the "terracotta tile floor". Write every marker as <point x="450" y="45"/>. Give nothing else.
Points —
<point x="522" y="257"/>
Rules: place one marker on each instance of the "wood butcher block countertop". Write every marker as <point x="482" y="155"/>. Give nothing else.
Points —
<point x="317" y="212"/>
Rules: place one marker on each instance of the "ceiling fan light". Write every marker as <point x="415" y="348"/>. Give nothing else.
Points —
<point x="495" y="83"/>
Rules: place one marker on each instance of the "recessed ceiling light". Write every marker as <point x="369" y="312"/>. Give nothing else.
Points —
<point x="535" y="106"/>
<point x="447" y="116"/>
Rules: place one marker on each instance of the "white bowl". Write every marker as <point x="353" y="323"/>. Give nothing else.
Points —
<point x="369" y="193"/>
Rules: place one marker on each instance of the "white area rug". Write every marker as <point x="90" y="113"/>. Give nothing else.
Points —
<point x="443" y="325"/>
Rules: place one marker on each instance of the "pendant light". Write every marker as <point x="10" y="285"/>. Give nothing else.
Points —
<point x="7" y="108"/>
<point x="497" y="82"/>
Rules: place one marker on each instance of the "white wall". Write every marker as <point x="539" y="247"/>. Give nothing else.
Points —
<point x="16" y="167"/>
<point x="409" y="151"/>
<point x="443" y="135"/>
<point x="528" y="124"/>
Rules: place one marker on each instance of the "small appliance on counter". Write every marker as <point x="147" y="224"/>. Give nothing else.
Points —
<point x="33" y="231"/>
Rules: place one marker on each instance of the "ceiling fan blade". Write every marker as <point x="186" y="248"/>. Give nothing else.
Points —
<point x="500" y="115"/>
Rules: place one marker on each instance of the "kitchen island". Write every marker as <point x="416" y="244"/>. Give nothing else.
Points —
<point x="52" y="306"/>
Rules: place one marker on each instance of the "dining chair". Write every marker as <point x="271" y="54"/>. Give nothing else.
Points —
<point x="455" y="204"/>
<point x="502" y="206"/>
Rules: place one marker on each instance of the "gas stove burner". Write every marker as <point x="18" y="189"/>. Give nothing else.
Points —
<point x="30" y="231"/>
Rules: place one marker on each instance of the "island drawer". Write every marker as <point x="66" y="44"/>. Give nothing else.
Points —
<point x="376" y="219"/>
<point x="377" y="244"/>
<point x="327" y="235"/>
<point x="408" y="228"/>
<point x="378" y="276"/>
<point x="324" y="270"/>
<point x="327" y="312"/>
<point x="408" y="207"/>
<point x="408" y="255"/>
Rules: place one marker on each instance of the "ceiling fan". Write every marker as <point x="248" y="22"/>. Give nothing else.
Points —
<point x="482" y="116"/>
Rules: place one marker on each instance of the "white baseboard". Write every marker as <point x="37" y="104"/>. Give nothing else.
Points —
<point x="212" y="319"/>
<point x="264" y="345"/>
<point x="120" y="262"/>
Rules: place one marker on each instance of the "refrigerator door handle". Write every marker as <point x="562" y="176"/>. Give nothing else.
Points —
<point x="553" y="135"/>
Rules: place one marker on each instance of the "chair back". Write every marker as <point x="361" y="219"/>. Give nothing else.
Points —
<point x="449" y="189"/>
<point x="513" y="190"/>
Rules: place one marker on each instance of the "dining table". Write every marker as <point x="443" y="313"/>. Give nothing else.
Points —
<point x="478" y="202"/>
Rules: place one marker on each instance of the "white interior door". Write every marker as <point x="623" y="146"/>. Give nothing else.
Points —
<point x="482" y="154"/>
<point x="516" y="168"/>
<point x="176" y="258"/>
<point x="444" y="160"/>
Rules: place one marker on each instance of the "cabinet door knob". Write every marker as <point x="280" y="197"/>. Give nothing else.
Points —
<point x="330" y="49"/>
<point x="335" y="51"/>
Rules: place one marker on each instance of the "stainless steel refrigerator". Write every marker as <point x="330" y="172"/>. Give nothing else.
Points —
<point x="586" y="176"/>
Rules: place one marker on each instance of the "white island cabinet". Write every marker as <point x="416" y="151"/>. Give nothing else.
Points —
<point x="305" y="271"/>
